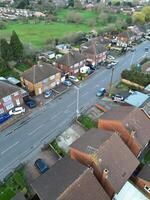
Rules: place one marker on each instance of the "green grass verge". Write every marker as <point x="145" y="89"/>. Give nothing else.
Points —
<point x="16" y="182"/>
<point x="60" y="151"/>
<point x="87" y="122"/>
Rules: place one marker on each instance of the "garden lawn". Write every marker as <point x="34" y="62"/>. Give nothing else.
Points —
<point x="147" y="157"/>
<point x="87" y="122"/>
<point x="14" y="183"/>
<point x="9" y="72"/>
<point x="37" y="34"/>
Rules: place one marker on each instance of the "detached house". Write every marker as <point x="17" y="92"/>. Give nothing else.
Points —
<point x="40" y="78"/>
<point x="10" y="96"/>
<point x="71" y="63"/>
<point x="125" y="38"/>
<point x="95" y="53"/>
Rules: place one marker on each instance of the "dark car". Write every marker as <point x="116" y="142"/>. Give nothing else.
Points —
<point x="4" y="117"/>
<point x="41" y="166"/>
<point x="30" y="102"/>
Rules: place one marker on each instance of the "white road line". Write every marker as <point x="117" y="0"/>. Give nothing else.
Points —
<point x="84" y="94"/>
<point x="55" y="116"/>
<point x="10" y="147"/>
<point x="70" y="105"/>
<point x="31" y="133"/>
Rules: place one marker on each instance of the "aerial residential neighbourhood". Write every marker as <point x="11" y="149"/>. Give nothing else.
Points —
<point x="74" y="100"/>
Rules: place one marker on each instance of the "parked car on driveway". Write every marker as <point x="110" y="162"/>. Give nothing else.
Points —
<point x="67" y="83"/>
<point x="100" y="92"/>
<point x="4" y="117"/>
<point x="30" y="102"/>
<point x="73" y="79"/>
<point x="41" y="165"/>
<point x="117" y="98"/>
<point x="17" y="111"/>
<point x="48" y="93"/>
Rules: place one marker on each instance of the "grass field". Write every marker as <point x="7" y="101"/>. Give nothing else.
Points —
<point x="37" y="34"/>
<point x="13" y="184"/>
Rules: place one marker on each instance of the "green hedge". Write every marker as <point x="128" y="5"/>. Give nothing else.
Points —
<point x="136" y="76"/>
<point x="87" y="122"/>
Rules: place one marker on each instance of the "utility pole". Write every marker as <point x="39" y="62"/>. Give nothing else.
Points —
<point x="111" y="79"/>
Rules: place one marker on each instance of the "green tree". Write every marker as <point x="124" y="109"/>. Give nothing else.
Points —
<point x="16" y="46"/>
<point x="6" y="51"/>
<point x="139" y="17"/>
<point x="3" y="65"/>
<point x="146" y="12"/>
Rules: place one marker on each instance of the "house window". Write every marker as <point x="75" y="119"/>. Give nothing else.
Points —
<point x="1" y="110"/>
<point x="8" y="98"/>
<point x="45" y="80"/>
<point x="18" y="102"/>
<point x="52" y="77"/>
<point x="147" y="188"/>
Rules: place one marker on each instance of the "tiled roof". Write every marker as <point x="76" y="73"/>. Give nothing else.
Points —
<point x="86" y="187"/>
<point x="70" y="59"/>
<point x="39" y="72"/>
<point x="7" y="89"/>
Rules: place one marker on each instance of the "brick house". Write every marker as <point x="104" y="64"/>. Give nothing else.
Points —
<point x="71" y="63"/>
<point x="112" y="161"/>
<point x="96" y="53"/>
<point x="10" y="96"/>
<point x="68" y="180"/>
<point x="142" y="180"/>
<point x="132" y="124"/>
<point x="40" y="78"/>
<point x="125" y="38"/>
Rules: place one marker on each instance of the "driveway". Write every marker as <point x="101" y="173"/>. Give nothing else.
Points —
<point x="22" y="140"/>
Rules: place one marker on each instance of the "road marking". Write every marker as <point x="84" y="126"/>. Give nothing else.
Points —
<point x="84" y="94"/>
<point x="55" y="116"/>
<point x="70" y="105"/>
<point x="31" y="133"/>
<point x="10" y="147"/>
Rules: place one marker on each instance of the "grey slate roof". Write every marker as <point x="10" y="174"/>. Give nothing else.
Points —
<point x="7" y="89"/>
<point x="58" y="178"/>
<point x="39" y="72"/>
<point x="71" y="58"/>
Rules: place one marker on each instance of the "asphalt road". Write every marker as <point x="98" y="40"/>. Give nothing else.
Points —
<point x="21" y="141"/>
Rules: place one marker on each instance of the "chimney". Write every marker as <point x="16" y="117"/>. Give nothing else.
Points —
<point x="133" y="133"/>
<point x="105" y="174"/>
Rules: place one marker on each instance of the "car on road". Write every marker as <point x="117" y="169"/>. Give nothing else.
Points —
<point x="100" y="92"/>
<point x="17" y="111"/>
<point x="110" y="57"/>
<point x="4" y="117"/>
<point x="48" y="93"/>
<point x="112" y="64"/>
<point x="41" y="165"/>
<point x="117" y="98"/>
<point x="67" y="83"/>
<point x="31" y="103"/>
<point x="73" y="79"/>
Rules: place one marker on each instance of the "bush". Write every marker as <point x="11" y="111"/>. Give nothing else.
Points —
<point x="2" y="25"/>
<point x="74" y="17"/>
<point x="58" y="149"/>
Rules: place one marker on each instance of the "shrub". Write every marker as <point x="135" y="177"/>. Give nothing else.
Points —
<point x="74" y="17"/>
<point x="2" y="25"/>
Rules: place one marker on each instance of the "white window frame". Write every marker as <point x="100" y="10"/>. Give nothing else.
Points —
<point x="147" y="188"/>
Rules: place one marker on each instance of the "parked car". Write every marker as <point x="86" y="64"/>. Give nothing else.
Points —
<point x="48" y="93"/>
<point x="112" y="64"/>
<point x="117" y="98"/>
<point x="17" y="111"/>
<point x="110" y="57"/>
<point x="73" y="79"/>
<point x="100" y="92"/>
<point x="30" y="102"/>
<point x="41" y="165"/>
<point x="4" y="117"/>
<point x="67" y="83"/>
